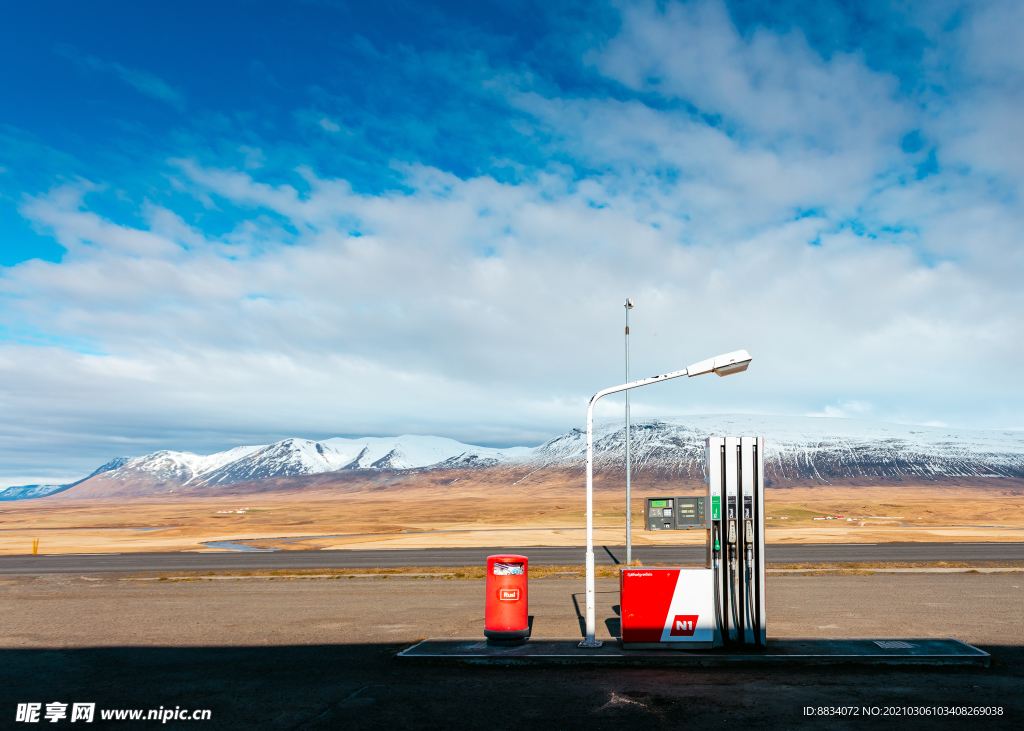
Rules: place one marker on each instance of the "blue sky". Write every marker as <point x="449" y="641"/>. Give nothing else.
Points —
<point x="225" y="223"/>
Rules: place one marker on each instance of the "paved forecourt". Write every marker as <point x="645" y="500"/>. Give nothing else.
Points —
<point x="791" y="650"/>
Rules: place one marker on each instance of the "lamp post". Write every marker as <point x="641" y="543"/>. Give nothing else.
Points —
<point x="723" y="365"/>
<point x="629" y="509"/>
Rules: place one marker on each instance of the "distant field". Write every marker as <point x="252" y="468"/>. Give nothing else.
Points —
<point x="490" y="508"/>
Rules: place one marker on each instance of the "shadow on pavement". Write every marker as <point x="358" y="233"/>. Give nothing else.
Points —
<point x="579" y="603"/>
<point x="360" y="686"/>
<point x="611" y="555"/>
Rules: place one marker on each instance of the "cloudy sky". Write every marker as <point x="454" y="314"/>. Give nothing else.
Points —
<point x="227" y="223"/>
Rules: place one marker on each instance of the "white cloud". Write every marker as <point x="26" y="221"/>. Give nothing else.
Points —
<point x="793" y="227"/>
<point x="330" y="125"/>
<point x="771" y="88"/>
<point x="144" y="82"/>
<point x="254" y="157"/>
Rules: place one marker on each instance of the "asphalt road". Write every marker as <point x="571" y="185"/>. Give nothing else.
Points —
<point x="607" y="555"/>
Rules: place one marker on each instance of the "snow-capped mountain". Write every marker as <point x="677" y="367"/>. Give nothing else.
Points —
<point x="305" y="457"/>
<point x="796" y="449"/>
<point x="23" y="492"/>
<point x="292" y="457"/>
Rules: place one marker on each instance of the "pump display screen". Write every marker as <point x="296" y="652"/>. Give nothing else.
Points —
<point x="660" y="515"/>
<point x="688" y="512"/>
<point x="676" y="513"/>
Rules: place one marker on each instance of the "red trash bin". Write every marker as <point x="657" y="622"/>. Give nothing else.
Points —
<point x="507" y="613"/>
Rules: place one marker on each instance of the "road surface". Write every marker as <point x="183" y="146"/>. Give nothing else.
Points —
<point x="390" y="558"/>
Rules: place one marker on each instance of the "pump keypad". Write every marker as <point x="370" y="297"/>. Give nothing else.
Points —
<point x="677" y="513"/>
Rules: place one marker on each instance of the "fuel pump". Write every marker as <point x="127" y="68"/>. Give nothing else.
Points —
<point x="735" y="474"/>
<point x="722" y="602"/>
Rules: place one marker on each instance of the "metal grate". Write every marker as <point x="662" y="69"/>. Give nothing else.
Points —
<point x="893" y="644"/>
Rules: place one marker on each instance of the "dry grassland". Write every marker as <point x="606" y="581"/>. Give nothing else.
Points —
<point x="560" y="571"/>
<point x="487" y="508"/>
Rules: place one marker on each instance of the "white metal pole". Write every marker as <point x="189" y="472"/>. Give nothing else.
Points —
<point x="591" y="640"/>
<point x="629" y="507"/>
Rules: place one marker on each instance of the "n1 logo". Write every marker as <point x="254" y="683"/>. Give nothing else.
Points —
<point x="683" y="625"/>
<point x="508" y="595"/>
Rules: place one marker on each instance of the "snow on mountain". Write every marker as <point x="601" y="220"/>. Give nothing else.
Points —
<point x="796" y="447"/>
<point x="208" y="464"/>
<point x="111" y="465"/>
<point x="292" y="457"/>
<point x="411" y="452"/>
<point x="23" y="492"/>
<point x="164" y="465"/>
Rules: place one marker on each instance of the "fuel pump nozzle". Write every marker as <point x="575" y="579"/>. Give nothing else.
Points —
<point x="749" y="535"/>
<point x="716" y="552"/>
<point x="732" y="577"/>
<point x="732" y="548"/>
<point x="750" y="547"/>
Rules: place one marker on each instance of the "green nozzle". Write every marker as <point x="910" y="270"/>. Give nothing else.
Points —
<point x="718" y="547"/>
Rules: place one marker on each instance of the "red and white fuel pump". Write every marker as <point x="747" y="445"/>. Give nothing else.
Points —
<point x="723" y="602"/>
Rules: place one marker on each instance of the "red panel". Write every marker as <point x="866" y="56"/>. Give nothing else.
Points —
<point x="644" y="598"/>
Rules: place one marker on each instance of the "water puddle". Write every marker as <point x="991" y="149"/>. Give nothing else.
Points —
<point x="237" y="546"/>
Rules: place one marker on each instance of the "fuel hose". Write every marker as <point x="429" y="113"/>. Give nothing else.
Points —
<point x="732" y="591"/>
<point x="718" y="614"/>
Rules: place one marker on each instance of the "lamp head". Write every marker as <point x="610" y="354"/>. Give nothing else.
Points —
<point x="629" y="304"/>
<point x="736" y="362"/>
<point x="723" y="365"/>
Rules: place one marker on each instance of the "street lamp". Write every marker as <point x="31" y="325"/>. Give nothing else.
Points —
<point x="723" y="365"/>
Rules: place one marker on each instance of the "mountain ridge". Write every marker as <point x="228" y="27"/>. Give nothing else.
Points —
<point x="815" y="449"/>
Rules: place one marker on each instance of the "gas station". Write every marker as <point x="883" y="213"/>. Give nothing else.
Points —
<point x="681" y="615"/>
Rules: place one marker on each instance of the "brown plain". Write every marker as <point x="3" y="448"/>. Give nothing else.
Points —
<point x="492" y="507"/>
